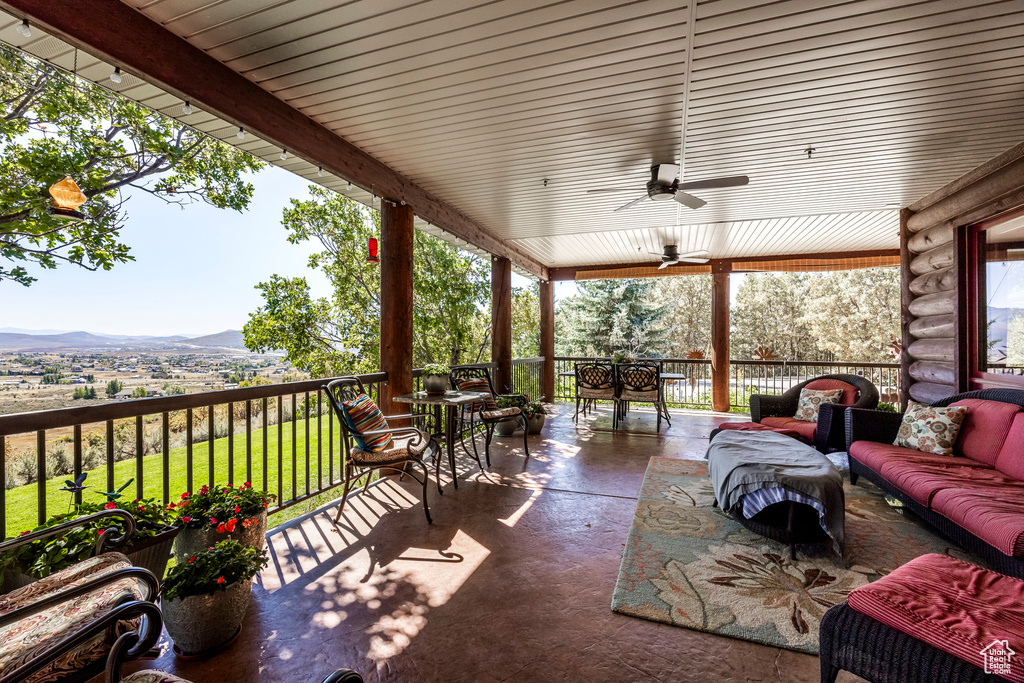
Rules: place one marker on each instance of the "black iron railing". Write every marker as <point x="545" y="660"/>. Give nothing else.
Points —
<point x="527" y="377"/>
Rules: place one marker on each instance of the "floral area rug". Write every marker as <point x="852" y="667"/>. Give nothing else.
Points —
<point x="688" y="564"/>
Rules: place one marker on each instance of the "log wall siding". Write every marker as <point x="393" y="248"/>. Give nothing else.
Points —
<point x="932" y="236"/>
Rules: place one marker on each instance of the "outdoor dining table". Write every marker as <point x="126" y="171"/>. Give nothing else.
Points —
<point x="664" y="375"/>
<point x="451" y="402"/>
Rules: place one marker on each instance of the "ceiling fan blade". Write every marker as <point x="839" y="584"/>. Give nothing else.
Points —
<point x="602" y="190"/>
<point x="693" y="260"/>
<point x="632" y="203"/>
<point x="712" y="183"/>
<point x="689" y="200"/>
<point x="691" y="254"/>
<point x="666" y="264"/>
<point x="666" y="174"/>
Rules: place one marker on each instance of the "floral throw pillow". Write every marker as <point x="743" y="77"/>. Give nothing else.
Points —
<point x="811" y="400"/>
<point x="929" y="429"/>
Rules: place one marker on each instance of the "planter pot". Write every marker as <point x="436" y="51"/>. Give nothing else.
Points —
<point x="435" y="384"/>
<point x="149" y="553"/>
<point x="535" y="424"/>
<point x="505" y="427"/>
<point x="190" y="541"/>
<point x="203" y="624"/>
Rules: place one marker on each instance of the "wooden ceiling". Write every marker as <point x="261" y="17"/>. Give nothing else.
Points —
<point x="481" y="102"/>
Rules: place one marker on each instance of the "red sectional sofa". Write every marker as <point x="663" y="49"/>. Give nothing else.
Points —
<point x="827" y="434"/>
<point x="976" y="496"/>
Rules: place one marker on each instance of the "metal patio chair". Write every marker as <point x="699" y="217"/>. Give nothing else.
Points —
<point x="594" y="381"/>
<point x="639" y="381"/>
<point x="476" y="378"/>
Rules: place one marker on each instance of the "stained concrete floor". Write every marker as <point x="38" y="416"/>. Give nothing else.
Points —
<point x="512" y="582"/>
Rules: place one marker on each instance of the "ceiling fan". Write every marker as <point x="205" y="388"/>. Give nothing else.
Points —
<point x="664" y="185"/>
<point x="672" y="256"/>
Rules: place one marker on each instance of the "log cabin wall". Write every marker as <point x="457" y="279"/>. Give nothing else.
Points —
<point x="933" y="244"/>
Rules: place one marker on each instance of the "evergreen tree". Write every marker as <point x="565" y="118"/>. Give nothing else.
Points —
<point x="611" y="315"/>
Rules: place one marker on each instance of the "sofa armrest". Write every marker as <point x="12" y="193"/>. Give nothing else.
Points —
<point x="765" y="405"/>
<point x="871" y="425"/>
<point x="830" y="434"/>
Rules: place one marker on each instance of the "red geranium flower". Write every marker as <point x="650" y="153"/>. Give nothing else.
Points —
<point x="110" y="506"/>
<point x="220" y="580"/>
<point x="192" y="559"/>
<point x="221" y="528"/>
<point x="237" y="509"/>
<point x="186" y="519"/>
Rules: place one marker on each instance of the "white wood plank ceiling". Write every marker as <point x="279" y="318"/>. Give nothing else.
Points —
<point x="481" y="102"/>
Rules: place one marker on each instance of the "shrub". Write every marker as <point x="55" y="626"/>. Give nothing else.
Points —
<point x="58" y="462"/>
<point x="25" y="468"/>
<point x="213" y="570"/>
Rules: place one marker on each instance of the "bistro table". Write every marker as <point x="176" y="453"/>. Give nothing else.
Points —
<point x="451" y="401"/>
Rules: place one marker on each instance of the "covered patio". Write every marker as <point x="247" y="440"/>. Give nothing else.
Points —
<point x="872" y="136"/>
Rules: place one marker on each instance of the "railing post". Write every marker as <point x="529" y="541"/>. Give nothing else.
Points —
<point x="547" y="339"/>
<point x="720" y="338"/>
<point x="501" y="323"/>
<point x="396" y="270"/>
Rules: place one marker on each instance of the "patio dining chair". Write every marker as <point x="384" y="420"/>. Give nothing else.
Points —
<point x="594" y="381"/>
<point x="486" y="412"/>
<point x="369" y="443"/>
<point x="639" y="381"/>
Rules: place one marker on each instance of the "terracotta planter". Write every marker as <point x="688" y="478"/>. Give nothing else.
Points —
<point x="535" y="424"/>
<point x="435" y="384"/>
<point x="190" y="541"/>
<point x="203" y="624"/>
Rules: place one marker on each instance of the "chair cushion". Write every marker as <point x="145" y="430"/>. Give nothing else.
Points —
<point x="988" y="504"/>
<point x="951" y="605"/>
<point x="811" y="400"/>
<point x="984" y="429"/>
<point x="919" y="475"/>
<point x="630" y="395"/>
<point x="152" y="676"/>
<point x="363" y="415"/>
<point x="499" y="413"/>
<point x="930" y="429"/>
<point x="481" y="385"/>
<point x="29" y="637"/>
<point x="1010" y="460"/>
<point x="597" y="393"/>
<point x="850" y="392"/>
<point x="805" y="429"/>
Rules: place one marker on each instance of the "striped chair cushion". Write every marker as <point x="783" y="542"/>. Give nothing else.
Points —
<point x="478" y="384"/>
<point x="363" y="415"/>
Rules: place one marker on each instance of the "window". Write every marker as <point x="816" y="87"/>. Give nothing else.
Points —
<point x="1000" y="291"/>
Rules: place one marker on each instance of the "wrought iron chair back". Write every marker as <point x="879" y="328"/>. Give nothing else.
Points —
<point x="461" y="372"/>
<point x="476" y="412"/>
<point x="595" y="375"/>
<point x="639" y="376"/>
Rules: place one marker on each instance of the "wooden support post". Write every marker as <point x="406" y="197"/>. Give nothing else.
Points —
<point x="501" y="323"/>
<point x="720" y="400"/>
<point x="547" y="339"/>
<point x="396" y="246"/>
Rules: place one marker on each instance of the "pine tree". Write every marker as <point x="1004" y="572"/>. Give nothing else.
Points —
<point x="610" y="315"/>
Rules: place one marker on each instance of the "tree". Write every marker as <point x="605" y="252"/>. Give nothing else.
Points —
<point x="769" y="314"/>
<point x="114" y="386"/>
<point x="139" y="392"/>
<point x="687" y="303"/>
<point x="855" y="314"/>
<point x="340" y="333"/>
<point x="52" y="126"/>
<point x="526" y="321"/>
<point x="610" y="315"/>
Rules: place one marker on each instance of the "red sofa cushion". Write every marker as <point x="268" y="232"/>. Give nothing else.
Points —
<point x="919" y="475"/>
<point x="850" y="392"/>
<point x="1010" y="460"/>
<point x="758" y="427"/>
<point x="801" y="427"/>
<point x="984" y="429"/>
<point x="989" y="505"/>
<point x="954" y="606"/>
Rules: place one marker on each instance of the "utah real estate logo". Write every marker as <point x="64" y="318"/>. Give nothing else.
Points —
<point x="998" y="656"/>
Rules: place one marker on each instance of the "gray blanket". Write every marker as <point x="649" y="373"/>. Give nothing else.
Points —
<point x="741" y="462"/>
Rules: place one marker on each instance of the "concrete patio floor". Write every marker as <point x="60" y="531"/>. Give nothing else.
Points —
<point x="512" y="582"/>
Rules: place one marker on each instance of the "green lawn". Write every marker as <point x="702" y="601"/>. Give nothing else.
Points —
<point x="21" y="502"/>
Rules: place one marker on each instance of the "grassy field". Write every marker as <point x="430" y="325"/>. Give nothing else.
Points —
<point x="21" y="502"/>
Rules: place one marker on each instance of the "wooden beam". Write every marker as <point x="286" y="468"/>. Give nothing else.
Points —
<point x="121" y="36"/>
<point x="974" y="175"/>
<point x="906" y="317"/>
<point x="720" y="399"/>
<point x="547" y="338"/>
<point x="501" y="323"/>
<point x="396" y="272"/>
<point x="588" y="271"/>
<point x="1005" y="180"/>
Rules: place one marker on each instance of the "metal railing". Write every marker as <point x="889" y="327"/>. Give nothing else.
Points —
<point x="746" y="377"/>
<point x="527" y="376"/>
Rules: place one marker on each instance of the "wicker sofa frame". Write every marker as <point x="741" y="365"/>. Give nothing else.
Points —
<point x="854" y="642"/>
<point x="829" y="435"/>
<point x="879" y="426"/>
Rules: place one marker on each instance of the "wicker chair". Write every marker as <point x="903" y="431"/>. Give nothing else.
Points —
<point x="639" y="381"/>
<point x="477" y="378"/>
<point x="63" y="626"/>
<point x="358" y="463"/>
<point x="594" y="382"/>
<point x="830" y="433"/>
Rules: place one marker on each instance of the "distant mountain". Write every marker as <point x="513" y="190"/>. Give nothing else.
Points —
<point x="43" y="342"/>
<point x="228" y="339"/>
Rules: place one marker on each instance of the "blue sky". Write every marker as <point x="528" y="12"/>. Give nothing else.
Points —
<point x="194" y="272"/>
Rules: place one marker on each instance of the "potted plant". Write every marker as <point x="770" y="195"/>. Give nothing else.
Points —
<point x="534" y="413"/>
<point x="149" y="546"/>
<point x="622" y="357"/>
<point x="507" y="426"/>
<point x="205" y="597"/>
<point x="220" y="512"/>
<point x="435" y="378"/>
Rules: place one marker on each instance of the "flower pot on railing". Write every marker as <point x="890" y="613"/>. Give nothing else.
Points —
<point x="190" y="541"/>
<point x="203" y="624"/>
